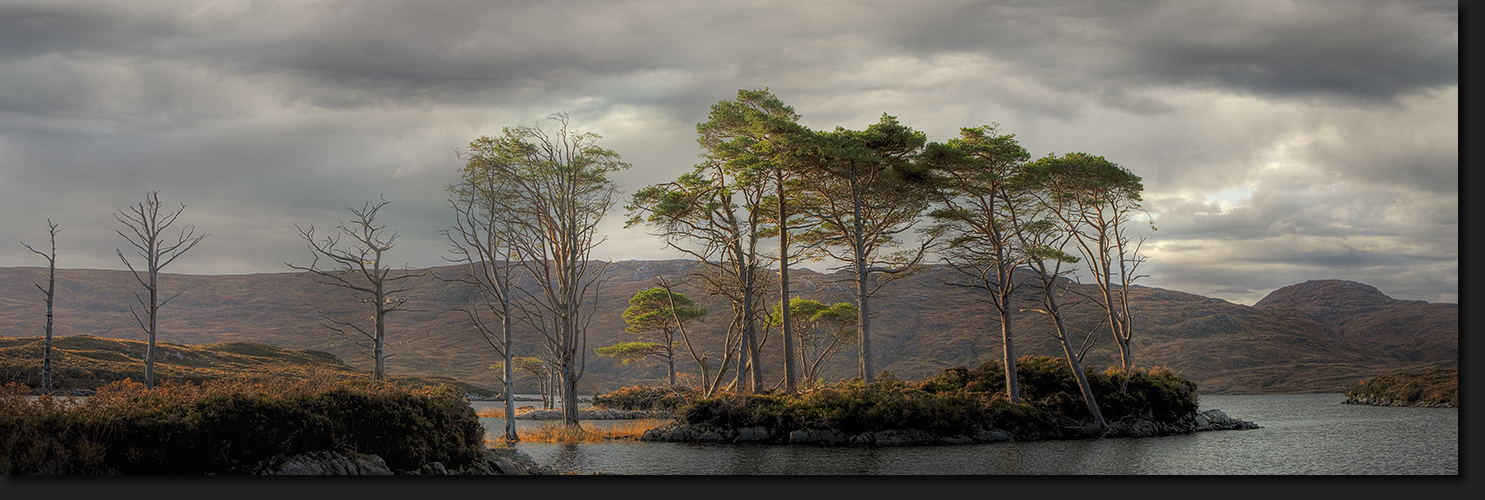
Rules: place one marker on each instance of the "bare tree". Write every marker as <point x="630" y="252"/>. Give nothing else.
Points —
<point x="51" y="293"/>
<point x="148" y="226"/>
<point x="481" y="237"/>
<point x="359" y="267"/>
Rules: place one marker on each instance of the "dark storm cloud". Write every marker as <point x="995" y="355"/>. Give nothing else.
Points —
<point x="1337" y="119"/>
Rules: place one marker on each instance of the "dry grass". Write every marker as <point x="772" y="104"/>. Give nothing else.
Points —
<point x="556" y="432"/>
<point x="499" y="412"/>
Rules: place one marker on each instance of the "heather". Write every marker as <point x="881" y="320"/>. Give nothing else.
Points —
<point x="230" y="426"/>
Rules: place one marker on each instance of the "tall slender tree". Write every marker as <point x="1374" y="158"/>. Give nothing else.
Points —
<point x="561" y="190"/>
<point x="1096" y="200"/>
<point x="756" y="134"/>
<point x="482" y="240"/>
<point x="1044" y="242"/>
<point x="147" y="226"/>
<point x="975" y="184"/>
<point x="51" y="293"/>
<point x="360" y="267"/>
<point x="862" y="192"/>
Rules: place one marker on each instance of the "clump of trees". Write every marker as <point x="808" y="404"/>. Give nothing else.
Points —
<point x="858" y="198"/>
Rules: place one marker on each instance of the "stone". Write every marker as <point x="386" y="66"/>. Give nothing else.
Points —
<point x="327" y="463"/>
<point x="754" y="434"/>
<point x="992" y="436"/>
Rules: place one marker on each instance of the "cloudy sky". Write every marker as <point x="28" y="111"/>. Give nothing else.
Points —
<point x="1279" y="141"/>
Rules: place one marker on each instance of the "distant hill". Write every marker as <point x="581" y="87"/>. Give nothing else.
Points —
<point x="1312" y="337"/>
<point x="88" y="362"/>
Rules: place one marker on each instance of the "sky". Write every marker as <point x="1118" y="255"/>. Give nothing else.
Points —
<point x="1278" y="141"/>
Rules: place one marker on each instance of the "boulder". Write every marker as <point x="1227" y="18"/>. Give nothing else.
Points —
<point x="1217" y="420"/>
<point x="326" y="463"/>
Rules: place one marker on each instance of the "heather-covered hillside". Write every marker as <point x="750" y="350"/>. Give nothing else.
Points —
<point x="1311" y="337"/>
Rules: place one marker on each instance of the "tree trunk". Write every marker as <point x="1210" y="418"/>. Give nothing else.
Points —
<point x="51" y="294"/>
<point x="569" y="394"/>
<point x="1072" y="361"/>
<point x="863" y="288"/>
<point x="507" y="381"/>
<point x="149" y="353"/>
<point x="791" y="368"/>
<point x="1012" y="382"/>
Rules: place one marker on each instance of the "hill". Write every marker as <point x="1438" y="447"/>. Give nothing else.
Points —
<point x="87" y="362"/>
<point x="1312" y="337"/>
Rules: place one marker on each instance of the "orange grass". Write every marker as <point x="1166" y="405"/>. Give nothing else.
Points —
<point x="498" y="412"/>
<point x="556" y="432"/>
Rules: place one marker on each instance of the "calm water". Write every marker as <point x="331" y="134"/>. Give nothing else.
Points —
<point x="1302" y="434"/>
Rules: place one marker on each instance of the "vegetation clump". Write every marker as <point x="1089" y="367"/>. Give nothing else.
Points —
<point x="233" y="426"/>
<point x="961" y="402"/>
<point x="1436" y="388"/>
<point x="644" y="398"/>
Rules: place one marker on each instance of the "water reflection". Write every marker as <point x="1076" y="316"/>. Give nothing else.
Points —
<point x="1301" y="434"/>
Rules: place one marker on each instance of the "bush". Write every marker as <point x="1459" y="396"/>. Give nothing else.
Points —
<point x="645" y="398"/>
<point x="228" y="426"/>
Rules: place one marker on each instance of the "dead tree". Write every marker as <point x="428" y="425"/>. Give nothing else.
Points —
<point x="51" y="294"/>
<point x="359" y="267"/>
<point x="148" y="226"/>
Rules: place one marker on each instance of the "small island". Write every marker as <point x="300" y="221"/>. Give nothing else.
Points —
<point x="959" y="406"/>
<point x="1428" y="388"/>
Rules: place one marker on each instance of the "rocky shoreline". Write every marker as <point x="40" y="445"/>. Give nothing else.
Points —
<point x="510" y="461"/>
<point x="1210" y="420"/>
<point x="1371" y="400"/>
<point x="494" y="462"/>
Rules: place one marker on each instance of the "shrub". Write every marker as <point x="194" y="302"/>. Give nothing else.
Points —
<point x="645" y="398"/>
<point x="228" y="426"/>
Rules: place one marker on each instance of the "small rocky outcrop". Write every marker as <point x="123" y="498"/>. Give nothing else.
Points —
<point x="1216" y="420"/>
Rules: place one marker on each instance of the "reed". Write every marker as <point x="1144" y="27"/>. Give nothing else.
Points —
<point x="556" y="432"/>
